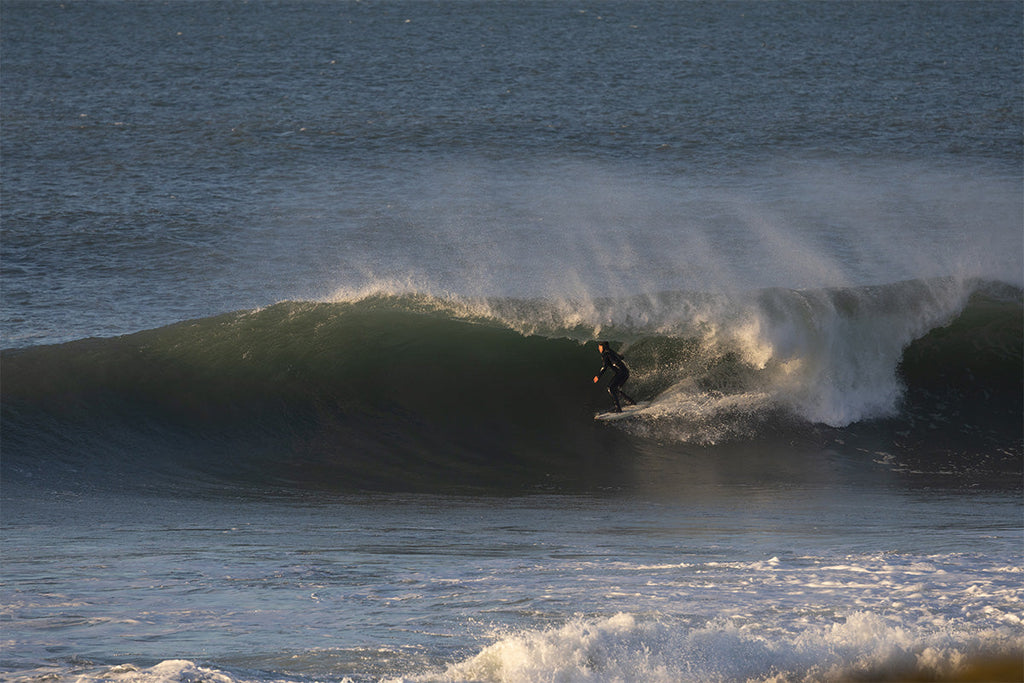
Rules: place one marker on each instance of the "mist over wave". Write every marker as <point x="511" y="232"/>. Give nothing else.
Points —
<point x="580" y="229"/>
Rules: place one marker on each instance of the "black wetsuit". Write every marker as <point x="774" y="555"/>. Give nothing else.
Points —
<point x="616" y="363"/>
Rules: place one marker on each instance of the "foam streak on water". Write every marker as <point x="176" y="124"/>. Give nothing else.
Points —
<point x="688" y="590"/>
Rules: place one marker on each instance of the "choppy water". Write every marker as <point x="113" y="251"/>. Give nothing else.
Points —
<point x="728" y="582"/>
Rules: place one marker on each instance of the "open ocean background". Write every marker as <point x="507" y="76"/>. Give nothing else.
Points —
<point x="299" y="311"/>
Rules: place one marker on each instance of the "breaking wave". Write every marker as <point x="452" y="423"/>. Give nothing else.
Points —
<point x="410" y="390"/>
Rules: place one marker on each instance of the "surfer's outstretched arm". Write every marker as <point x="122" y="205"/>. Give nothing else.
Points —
<point x="606" y="356"/>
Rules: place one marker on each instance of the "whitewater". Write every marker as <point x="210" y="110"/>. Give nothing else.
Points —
<point x="300" y="304"/>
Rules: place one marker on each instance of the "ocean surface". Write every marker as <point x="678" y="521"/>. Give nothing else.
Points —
<point x="299" y="309"/>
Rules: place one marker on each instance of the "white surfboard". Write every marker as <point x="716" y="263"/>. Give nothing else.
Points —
<point x="627" y="411"/>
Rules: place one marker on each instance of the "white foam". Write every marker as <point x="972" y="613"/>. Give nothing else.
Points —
<point x="839" y="351"/>
<point x="826" y="356"/>
<point x="172" y="671"/>
<point x="631" y="647"/>
<point x="169" y="671"/>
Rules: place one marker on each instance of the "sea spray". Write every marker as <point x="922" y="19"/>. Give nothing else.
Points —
<point x="584" y="231"/>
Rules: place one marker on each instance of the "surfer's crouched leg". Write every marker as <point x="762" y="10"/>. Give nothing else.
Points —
<point x="614" y="392"/>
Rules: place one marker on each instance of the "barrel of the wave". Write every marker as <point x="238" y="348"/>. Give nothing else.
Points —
<point x="380" y="394"/>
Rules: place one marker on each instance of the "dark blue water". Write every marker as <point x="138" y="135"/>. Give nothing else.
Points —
<point x="205" y="157"/>
<point x="298" y="309"/>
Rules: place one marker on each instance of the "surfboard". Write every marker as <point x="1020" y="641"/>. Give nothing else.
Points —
<point x="627" y="411"/>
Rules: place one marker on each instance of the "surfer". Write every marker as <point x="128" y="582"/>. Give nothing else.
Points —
<point x="617" y="364"/>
